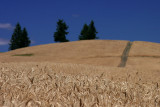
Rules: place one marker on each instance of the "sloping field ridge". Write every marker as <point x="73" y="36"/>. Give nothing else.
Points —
<point x="91" y="52"/>
<point x="144" y="55"/>
<point x="94" y="52"/>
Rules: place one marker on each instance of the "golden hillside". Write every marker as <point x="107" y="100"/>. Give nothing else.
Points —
<point x="144" y="55"/>
<point x="90" y="52"/>
<point x="95" y="52"/>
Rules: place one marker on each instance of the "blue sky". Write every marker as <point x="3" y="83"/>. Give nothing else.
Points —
<point x="114" y="19"/>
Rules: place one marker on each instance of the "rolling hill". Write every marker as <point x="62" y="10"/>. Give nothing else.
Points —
<point x="94" y="52"/>
<point x="90" y="52"/>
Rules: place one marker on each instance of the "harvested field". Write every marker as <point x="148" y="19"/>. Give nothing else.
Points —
<point x="144" y="55"/>
<point x="90" y="52"/>
<point x="144" y="62"/>
<point x="145" y="49"/>
<point x="93" y="52"/>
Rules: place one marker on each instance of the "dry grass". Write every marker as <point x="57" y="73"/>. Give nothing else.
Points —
<point x="144" y="55"/>
<point x="60" y="85"/>
<point x="145" y="49"/>
<point x="144" y="62"/>
<point x="94" y="52"/>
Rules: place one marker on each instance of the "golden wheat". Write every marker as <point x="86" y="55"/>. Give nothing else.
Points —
<point x="39" y="85"/>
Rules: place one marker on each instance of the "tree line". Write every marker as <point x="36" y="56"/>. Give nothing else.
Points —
<point x="20" y="37"/>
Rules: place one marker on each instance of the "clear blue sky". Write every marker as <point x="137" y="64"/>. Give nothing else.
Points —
<point x="114" y="19"/>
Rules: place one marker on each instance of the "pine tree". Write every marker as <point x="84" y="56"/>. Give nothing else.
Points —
<point x="88" y="32"/>
<point x="84" y="32"/>
<point x="92" y="31"/>
<point x="25" y="42"/>
<point x="15" y="39"/>
<point x="59" y="35"/>
<point x="19" y="38"/>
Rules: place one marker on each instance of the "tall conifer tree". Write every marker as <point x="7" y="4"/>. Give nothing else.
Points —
<point x="84" y="32"/>
<point x="19" y="38"/>
<point x="25" y="39"/>
<point x="88" y="32"/>
<point x="60" y="34"/>
<point x="92" y="31"/>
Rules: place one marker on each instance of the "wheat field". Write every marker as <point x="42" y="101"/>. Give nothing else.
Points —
<point x="48" y="84"/>
<point x="75" y="74"/>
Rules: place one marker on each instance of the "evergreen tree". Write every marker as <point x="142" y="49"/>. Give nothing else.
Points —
<point x="84" y="32"/>
<point x="25" y="42"/>
<point x="59" y="35"/>
<point x="15" y="39"/>
<point x="92" y="31"/>
<point x="88" y="32"/>
<point x="19" y="38"/>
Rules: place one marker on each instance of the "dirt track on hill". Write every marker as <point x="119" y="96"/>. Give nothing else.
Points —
<point x="91" y="52"/>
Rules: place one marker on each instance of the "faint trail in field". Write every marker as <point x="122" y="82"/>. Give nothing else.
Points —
<point x="124" y="56"/>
